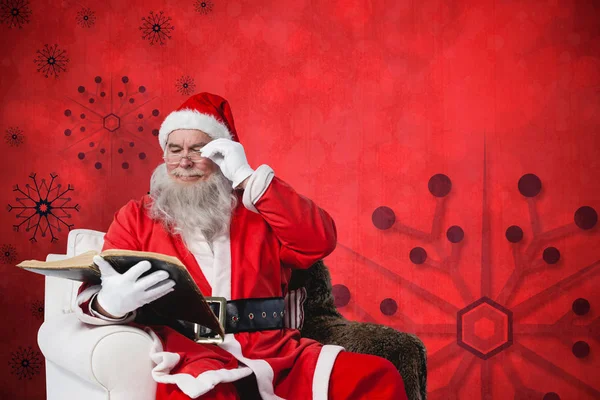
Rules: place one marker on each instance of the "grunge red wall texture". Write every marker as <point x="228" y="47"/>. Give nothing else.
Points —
<point x="455" y="143"/>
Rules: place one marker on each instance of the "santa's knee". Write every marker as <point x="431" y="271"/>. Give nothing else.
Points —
<point x="388" y="376"/>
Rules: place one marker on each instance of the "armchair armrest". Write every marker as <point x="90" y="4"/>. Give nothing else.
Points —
<point x="114" y="357"/>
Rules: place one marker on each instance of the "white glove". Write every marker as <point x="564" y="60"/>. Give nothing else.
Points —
<point x="123" y="293"/>
<point x="230" y="157"/>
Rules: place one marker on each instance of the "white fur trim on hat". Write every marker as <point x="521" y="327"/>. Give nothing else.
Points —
<point x="192" y="119"/>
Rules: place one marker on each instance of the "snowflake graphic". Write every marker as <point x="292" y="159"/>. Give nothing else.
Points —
<point x="51" y="60"/>
<point x="185" y="85"/>
<point x="47" y="203"/>
<point x="37" y="309"/>
<point x="8" y="254"/>
<point x="14" y="13"/>
<point x="486" y="331"/>
<point x="204" y="7"/>
<point x="25" y="363"/>
<point x="14" y="136"/>
<point x="110" y="125"/>
<point x="86" y="17"/>
<point x="156" y="28"/>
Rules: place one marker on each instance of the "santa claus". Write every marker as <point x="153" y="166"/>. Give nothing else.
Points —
<point x="239" y="231"/>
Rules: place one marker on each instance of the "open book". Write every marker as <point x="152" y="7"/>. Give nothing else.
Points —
<point x="185" y="303"/>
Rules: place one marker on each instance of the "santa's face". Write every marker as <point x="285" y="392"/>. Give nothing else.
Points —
<point x="182" y="156"/>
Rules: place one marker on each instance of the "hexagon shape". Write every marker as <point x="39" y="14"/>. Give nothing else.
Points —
<point x="112" y="122"/>
<point x="484" y="328"/>
<point x="494" y="323"/>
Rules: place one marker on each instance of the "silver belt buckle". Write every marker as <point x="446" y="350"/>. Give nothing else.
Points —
<point x="216" y="339"/>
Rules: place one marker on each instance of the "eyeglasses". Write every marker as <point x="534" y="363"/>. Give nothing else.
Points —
<point x="175" y="158"/>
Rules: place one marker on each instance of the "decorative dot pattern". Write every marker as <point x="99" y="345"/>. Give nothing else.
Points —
<point x="383" y="218"/>
<point x="455" y="234"/>
<point x="388" y="307"/>
<point x="530" y="185"/>
<point x="514" y="234"/>
<point x="418" y="255"/>
<point x="341" y="295"/>
<point x="439" y="185"/>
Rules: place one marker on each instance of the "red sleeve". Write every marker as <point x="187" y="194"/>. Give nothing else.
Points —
<point x="122" y="232"/>
<point x="307" y="232"/>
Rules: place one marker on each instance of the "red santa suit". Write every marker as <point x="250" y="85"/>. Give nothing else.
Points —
<point x="272" y="231"/>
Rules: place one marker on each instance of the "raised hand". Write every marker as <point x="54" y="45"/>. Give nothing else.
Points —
<point x="230" y="157"/>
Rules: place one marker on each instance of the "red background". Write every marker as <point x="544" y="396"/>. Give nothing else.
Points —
<point x="358" y="105"/>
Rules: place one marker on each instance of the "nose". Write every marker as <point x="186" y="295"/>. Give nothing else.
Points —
<point x="185" y="162"/>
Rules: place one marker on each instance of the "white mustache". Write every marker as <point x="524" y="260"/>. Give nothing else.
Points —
<point x="179" y="172"/>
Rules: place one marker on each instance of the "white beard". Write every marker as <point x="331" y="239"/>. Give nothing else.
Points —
<point x="185" y="208"/>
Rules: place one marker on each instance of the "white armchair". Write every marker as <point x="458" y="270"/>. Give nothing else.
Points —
<point x="85" y="362"/>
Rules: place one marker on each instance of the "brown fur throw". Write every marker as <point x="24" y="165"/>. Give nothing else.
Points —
<point x="325" y="324"/>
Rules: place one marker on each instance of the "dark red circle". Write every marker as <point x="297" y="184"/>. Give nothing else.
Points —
<point x="341" y="295"/>
<point x="140" y="128"/>
<point x="120" y="151"/>
<point x="581" y="306"/>
<point x="581" y="349"/>
<point x="551" y="396"/>
<point x="155" y="132"/>
<point x="551" y="255"/>
<point x="439" y="185"/>
<point x="530" y="185"/>
<point x="388" y="307"/>
<point x="140" y="116"/>
<point x="81" y="89"/>
<point x="82" y="116"/>
<point x="586" y="217"/>
<point x="455" y="234"/>
<point x="132" y="100"/>
<point x="92" y="100"/>
<point x="92" y="144"/>
<point x="120" y="94"/>
<point x="67" y="113"/>
<point x="98" y="165"/>
<point x="131" y="144"/>
<point x="142" y="89"/>
<point x="97" y="79"/>
<point x="125" y="79"/>
<point x="82" y="129"/>
<point x="142" y="156"/>
<point x="102" y="94"/>
<point x="383" y="217"/>
<point x="514" y="234"/>
<point x="418" y="255"/>
<point x="155" y="112"/>
<point x="68" y="132"/>
<point x="102" y="151"/>
<point x="81" y="156"/>
<point x="125" y="165"/>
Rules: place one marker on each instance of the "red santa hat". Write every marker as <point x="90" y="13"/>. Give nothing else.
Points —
<point x="203" y="111"/>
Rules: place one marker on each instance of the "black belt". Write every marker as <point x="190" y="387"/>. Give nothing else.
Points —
<point x="243" y="315"/>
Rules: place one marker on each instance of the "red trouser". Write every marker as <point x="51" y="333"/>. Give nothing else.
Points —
<point x="354" y="376"/>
